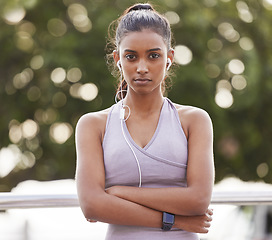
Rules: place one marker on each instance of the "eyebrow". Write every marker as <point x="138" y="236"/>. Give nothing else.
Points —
<point x="150" y="50"/>
<point x="154" y="49"/>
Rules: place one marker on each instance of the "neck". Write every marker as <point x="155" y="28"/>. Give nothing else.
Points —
<point x="144" y="104"/>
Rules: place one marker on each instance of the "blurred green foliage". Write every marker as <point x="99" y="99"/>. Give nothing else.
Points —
<point x="38" y="37"/>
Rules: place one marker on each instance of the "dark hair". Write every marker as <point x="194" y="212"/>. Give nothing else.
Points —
<point x="135" y="19"/>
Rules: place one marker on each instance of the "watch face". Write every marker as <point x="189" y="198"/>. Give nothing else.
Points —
<point x="168" y="218"/>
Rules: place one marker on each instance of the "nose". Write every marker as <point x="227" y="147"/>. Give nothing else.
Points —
<point x="142" y="67"/>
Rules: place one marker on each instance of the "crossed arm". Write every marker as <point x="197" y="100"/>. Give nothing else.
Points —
<point x="144" y="206"/>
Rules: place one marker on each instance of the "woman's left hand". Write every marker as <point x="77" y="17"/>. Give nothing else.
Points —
<point x="198" y="224"/>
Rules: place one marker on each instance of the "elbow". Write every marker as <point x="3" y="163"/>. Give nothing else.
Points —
<point x="200" y="204"/>
<point x="200" y="208"/>
<point x="88" y="211"/>
<point x="91" y="207"/>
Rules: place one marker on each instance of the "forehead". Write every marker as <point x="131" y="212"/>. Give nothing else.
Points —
<point x="143" y="40"/>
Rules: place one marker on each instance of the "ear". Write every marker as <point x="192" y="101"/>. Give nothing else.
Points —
<point x="171" y="54"/>
<point x="116" y="56"/>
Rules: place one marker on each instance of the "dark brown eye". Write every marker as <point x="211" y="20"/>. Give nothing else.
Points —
<point x="130" y="56"/>
<point x="154" y="55"/>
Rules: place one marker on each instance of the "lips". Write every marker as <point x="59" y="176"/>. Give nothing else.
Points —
<point x="142" y="80"/>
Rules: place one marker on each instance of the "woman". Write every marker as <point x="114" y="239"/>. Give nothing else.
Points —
<point x="145" y="165"/>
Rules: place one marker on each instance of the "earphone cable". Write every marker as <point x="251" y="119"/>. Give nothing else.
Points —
<point x="135" y="156"/>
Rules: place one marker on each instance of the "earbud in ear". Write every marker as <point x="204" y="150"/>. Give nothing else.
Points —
<point x="119" y="65"/>
<point x="169" y="63"/>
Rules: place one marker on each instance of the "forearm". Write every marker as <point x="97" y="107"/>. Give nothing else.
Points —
<point x="180" y="201"/>
<point x="114" y="210"/>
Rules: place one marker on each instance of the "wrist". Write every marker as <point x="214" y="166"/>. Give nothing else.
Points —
<point x="178" y="221"/>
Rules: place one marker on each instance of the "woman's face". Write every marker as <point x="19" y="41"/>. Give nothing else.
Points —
<point x="143" y="57"/>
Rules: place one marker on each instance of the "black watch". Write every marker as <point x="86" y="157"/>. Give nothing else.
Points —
<point x="168" y="221"/>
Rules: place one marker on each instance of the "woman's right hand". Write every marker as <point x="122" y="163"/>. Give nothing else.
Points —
<point x="197" y="224"/>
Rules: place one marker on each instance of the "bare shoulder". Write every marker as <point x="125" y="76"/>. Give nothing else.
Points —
<point x="193" y="117"/>
<point x="191" y="112"/>
<point x="94" y="117"/>
<point x="94" y="122"/>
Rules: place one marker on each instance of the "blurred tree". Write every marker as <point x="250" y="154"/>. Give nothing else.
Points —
<point x="53" y="70"/>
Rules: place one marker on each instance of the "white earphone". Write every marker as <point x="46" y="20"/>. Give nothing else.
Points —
<point x="169" y="62"/>
<point x="119" y="65"/>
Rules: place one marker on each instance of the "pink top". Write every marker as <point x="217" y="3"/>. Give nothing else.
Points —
<point x="163" y="163"/>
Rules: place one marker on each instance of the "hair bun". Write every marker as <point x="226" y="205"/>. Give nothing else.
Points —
<point x="143" y="6"/>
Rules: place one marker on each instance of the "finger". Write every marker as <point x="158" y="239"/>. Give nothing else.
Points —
<point x="209" y="215"/>
<point x="209" y="211"/>
<point x="207" y="224"/>
<point x="203" y="230"/>
<point x="90" y="220"/>
<point x="209" y="218"/>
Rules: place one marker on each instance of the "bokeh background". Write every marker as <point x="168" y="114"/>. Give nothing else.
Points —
<point x="53" y="70"/>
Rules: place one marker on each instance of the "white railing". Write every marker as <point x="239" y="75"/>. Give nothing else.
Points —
<point x="13" y="200"/>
